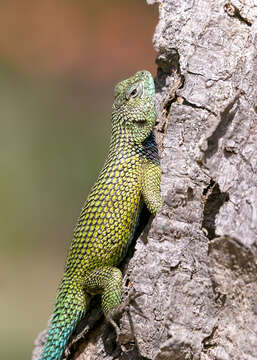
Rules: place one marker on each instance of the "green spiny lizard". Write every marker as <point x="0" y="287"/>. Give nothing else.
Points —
<point x="129" y="180"/>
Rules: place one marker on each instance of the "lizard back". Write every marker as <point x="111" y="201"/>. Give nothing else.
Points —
<point x="108" y="218"/>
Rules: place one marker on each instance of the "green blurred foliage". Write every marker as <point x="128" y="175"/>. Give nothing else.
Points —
<point x="54" y="136"/>
<point x="52" y="146"/>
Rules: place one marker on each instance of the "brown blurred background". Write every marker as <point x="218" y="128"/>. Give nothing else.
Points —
<point x="59" y="62"/>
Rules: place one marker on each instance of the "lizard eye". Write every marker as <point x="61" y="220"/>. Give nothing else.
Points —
<point x="135" y="91"/>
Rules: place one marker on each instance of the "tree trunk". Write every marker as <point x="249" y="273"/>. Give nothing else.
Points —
<point x="198" y="265"/>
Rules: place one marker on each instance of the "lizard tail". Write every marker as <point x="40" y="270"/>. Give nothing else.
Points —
<point x="70" y="307"/>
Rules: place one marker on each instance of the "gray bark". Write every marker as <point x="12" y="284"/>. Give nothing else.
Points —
<point x="197" y="262"/>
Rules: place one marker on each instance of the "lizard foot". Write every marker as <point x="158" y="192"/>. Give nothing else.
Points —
<point x="115" y="314"/>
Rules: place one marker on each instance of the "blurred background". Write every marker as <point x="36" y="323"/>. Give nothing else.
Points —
<point x="59" y="62"/>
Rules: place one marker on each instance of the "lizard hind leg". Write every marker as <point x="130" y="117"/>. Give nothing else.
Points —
<point x="107" y="281"/>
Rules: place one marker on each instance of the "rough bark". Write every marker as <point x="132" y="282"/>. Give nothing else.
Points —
<point x="197" y="265"/>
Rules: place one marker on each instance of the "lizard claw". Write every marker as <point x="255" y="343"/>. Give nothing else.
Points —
<point x="115" y="314"/>
<point x="131" y="300"/>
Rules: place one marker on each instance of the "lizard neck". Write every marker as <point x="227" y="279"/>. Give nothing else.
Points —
<point x="122" y="144"/>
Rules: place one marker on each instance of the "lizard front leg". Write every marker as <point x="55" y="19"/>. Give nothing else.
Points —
<point x="151" y="186"/>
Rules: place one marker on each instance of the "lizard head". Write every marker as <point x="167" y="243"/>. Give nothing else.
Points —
<point x="134" y="107"/>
